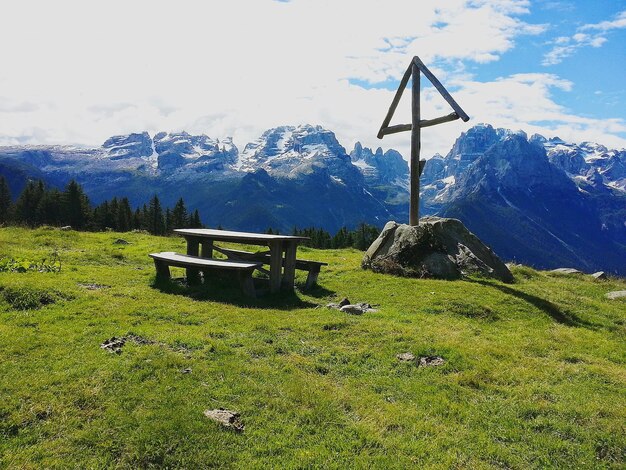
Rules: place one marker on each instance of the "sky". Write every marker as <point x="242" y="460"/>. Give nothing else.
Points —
<point x="77" y="72"/>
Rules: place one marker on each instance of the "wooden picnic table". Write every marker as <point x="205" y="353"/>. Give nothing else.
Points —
<point x="282" y="249"/>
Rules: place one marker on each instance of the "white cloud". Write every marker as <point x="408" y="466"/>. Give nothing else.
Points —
<point x="595" y="36"/>
<point x="79" y="72"/>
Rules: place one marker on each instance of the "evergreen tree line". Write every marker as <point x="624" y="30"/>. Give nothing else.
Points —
<point x="360" y="238"/>
<point x="39" y="205"/>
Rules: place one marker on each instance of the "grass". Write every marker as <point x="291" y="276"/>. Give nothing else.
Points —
<point x="534" y="377"/>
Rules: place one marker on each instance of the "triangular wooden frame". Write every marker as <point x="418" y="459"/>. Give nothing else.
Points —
<point x="416" y="69"/>
<point x="386" y="129"/>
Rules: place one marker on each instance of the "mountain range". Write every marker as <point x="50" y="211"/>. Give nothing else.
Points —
<point x="537" y="200"/>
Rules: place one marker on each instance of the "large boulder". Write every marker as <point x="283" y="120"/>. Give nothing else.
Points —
<point x="437" y="247"/>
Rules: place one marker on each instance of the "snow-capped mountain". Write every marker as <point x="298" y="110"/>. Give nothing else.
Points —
<point x="587" y="163"/>
<point x="304" y="165"/>
<point x="537" y="200"/>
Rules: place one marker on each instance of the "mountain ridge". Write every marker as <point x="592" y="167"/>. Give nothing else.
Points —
<point x="497" y="181"/>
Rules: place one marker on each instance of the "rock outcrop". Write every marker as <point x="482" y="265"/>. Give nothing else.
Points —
<point x="437" y="248"/>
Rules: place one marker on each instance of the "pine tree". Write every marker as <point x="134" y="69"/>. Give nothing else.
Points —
<point x="124" y="216"/>
<point x="113" y="210"/>
<point x="27" y="203"/>
<point x="180" y="218"/>
<point x="76" y="206"/>
<point x="145" y="218"/>
<point x="49" y="209"/>
<point x="194" y="221"/>
<point x="168" y="220"/>
<point x="5" y="201"/>
<point x="137" y="219"/>
<point x="102" y="216"/>
<point x="156" y="223"/>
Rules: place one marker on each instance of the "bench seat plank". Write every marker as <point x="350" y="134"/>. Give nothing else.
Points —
<point x="194" y="264"/>
<point x="183" y="261"/>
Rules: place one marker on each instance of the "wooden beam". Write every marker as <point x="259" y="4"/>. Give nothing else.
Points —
<point x="440" y="88"/>
<point x="396" y="100"/>
<point x="415" y="147"/>
<point x="439" y="120"/>
<point x="423" y="123"/>
<point x="396" y="129"/>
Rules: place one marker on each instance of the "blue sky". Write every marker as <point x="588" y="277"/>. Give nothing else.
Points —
<point x="76" y="72"/>
<point x="598" y="73"/>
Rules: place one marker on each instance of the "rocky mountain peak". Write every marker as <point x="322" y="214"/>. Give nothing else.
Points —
<point x="128" y="146"/>
<point x="378" y="166"/>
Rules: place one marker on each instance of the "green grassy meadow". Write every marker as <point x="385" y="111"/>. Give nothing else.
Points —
<point x="535" y="372"/>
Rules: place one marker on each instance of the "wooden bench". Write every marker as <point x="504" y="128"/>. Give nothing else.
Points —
<point x="162" y="262"/>
<point x="313" y="267"/>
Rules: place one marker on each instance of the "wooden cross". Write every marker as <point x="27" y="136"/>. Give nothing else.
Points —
<point x="417" y="166"/>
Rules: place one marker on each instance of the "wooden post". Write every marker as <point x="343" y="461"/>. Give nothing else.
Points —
<point x="207" y="248"/>
<point x="290" y="265"/>
<point x="193" y="248"/>
<point x="276" y="265"/>
<point x="415" y="148"/>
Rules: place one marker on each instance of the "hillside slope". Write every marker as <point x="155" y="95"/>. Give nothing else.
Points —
<point x="534" y="372"/>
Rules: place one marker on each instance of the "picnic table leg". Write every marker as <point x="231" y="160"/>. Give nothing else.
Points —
<point x="276" y="264"/>
<point x="207" y="248"/>
<point x="193" y="248"/>
<point x="247" y="284"/>
<point x="290" y="265"/>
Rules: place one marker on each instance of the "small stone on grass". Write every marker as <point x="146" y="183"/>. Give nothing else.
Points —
<point x="93" y="286"/>
<point x="617" y="294"/>
<point x="566" y="271"/>
<point x="405" y="357"/>
<point x="227" y="418"/>
<point x="426" y="361"/>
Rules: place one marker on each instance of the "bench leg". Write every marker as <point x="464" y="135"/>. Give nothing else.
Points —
<point x="247" y="284"/>
<point x="162" y="270"/>
<point x="193" y="276"/>
<point x="311" y="279"/>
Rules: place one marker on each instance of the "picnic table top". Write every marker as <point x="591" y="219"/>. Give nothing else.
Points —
<point x="227" y="235"/>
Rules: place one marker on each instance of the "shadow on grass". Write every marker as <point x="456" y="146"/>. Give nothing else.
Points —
<point x="550" y="309"/>
<point x="316" y="291"/>
<point x="225" y="290"/>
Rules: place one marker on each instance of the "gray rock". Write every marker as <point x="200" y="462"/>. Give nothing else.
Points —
<point x="566" y="271"/>
<point x="438" y="247"/>
<point x="121" y="241"/>
<point x="600" y="275"/>
<point x="66" y="228"/>
<point x="227" y="418"/>
<point x="353" y="309"/>
<point x="405" y="357"/>
<point x="618" y="294"/>
<point x="428" y="361"/>
<point x="344" y="301"/>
